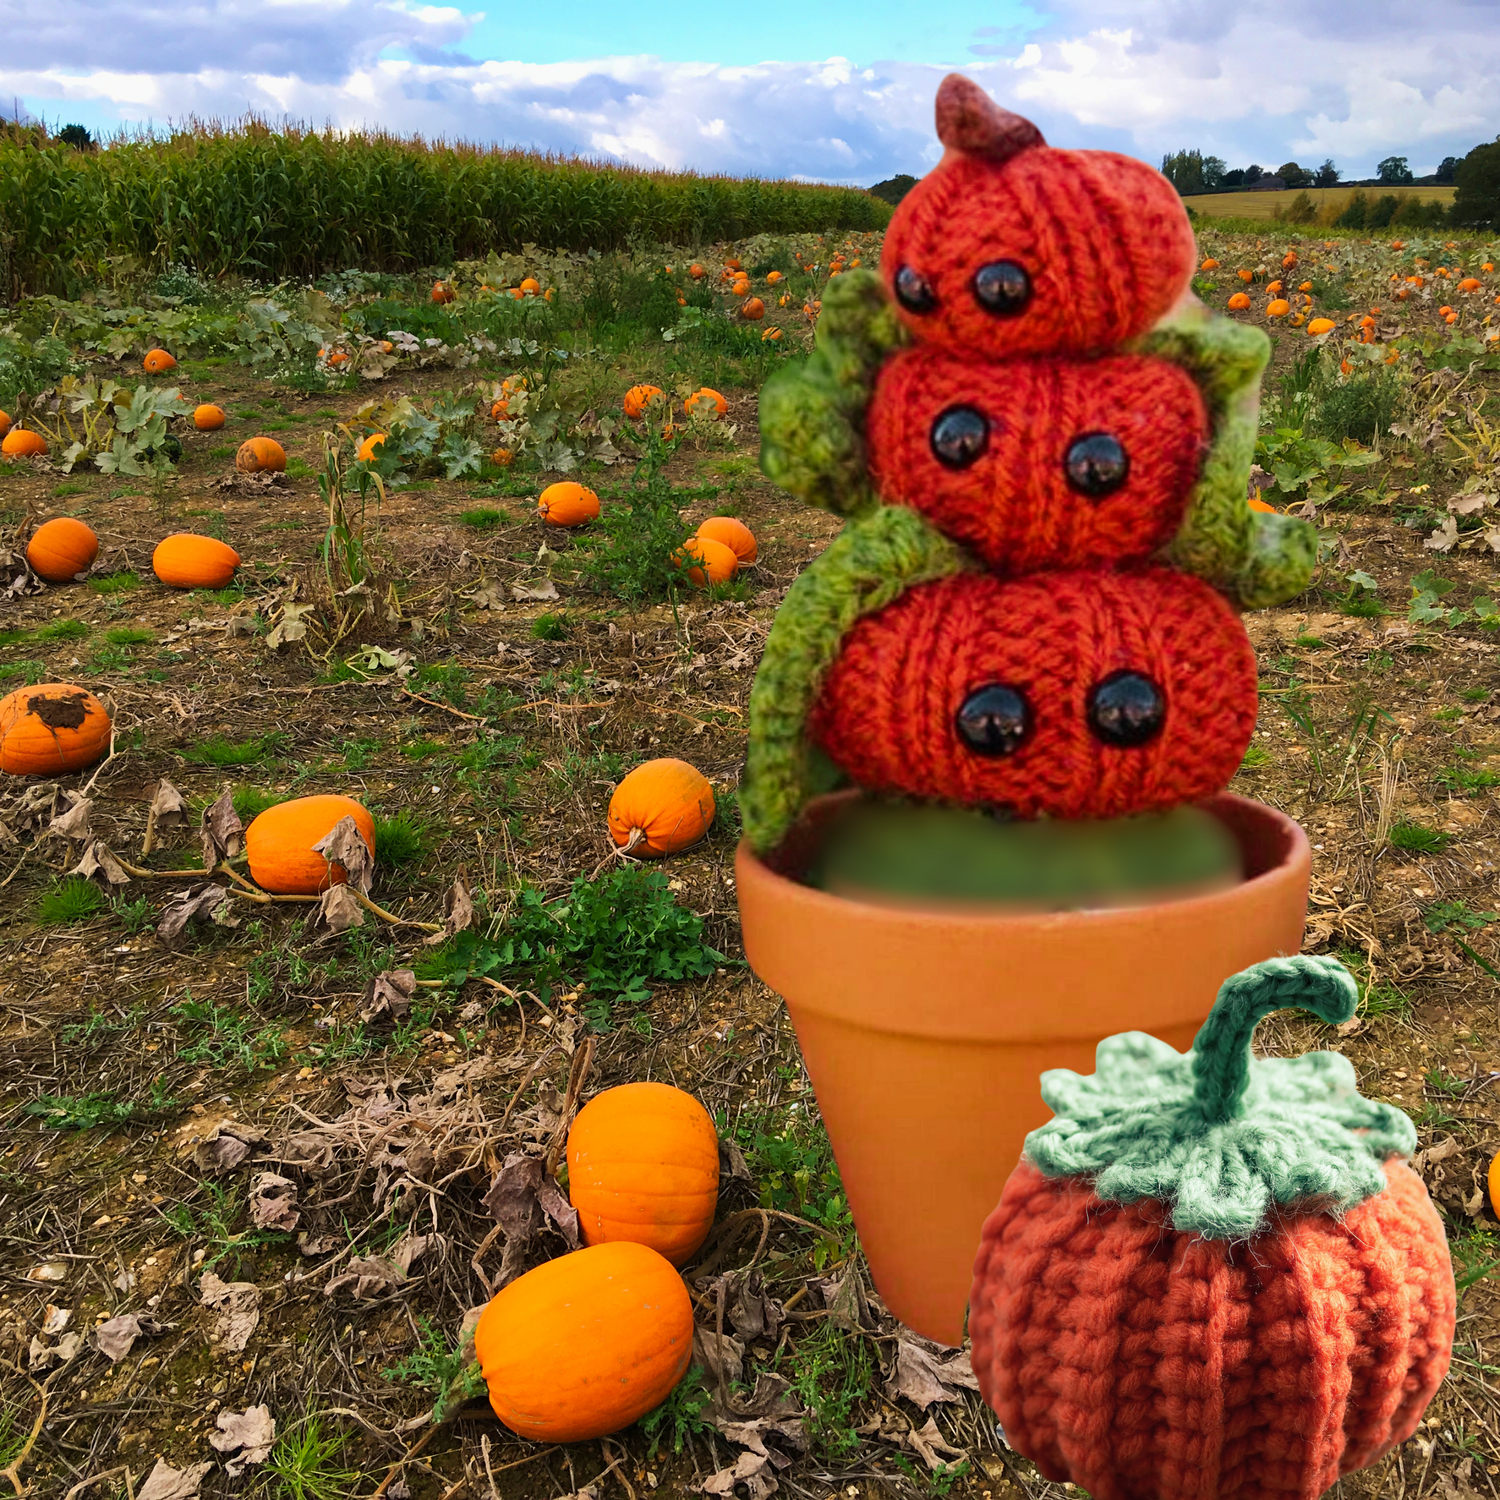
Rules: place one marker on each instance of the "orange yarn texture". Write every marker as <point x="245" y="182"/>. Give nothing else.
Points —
<point x="1018" y="504"/>
<point x="1146" y="1364"/>
<point x="888" y="709"/>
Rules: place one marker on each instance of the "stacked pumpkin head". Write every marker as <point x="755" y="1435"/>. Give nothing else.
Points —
<point x="1042" y="441"/>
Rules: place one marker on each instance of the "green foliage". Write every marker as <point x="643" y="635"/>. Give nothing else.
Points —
<point x="1417" y="838"/>
<point x="403" y="838"/>
<point x="615" y="937"/>
<point x="1427" y="606"/>
<point x="114" y="583"/>
<point x="61" y="1112"/>
<point x="483" y="519"/>
<point x="250" y="801"/>
<point x="1476" y="203"/>
<point x="629" y="551"/>
<point x="30" y="672"/>
<point x="797" y="1174"/>
<point x="1466" y="781"/>
<point x="1454" y="917"/>
<point x="438" y="1366"/>
<point x="219" y="751"/>
<point x="680" y="1417"/>
<point x="227" y="1039"/>
<point x="307" y="1463"/>
<point x="70" y="900"/>
<point x="65" y="630"/>
<point x="550" y="627"/>
<point x="833" y="1372"/>
<point x="1306" y="468"/>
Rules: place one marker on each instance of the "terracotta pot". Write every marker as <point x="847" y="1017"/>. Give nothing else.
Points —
<point x="925" y="1032"/>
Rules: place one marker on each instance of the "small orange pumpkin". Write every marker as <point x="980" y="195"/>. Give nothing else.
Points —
<point x="530" y="286"/>
<point x="1209" y="265"/>
<point x="696" y="271"/>
<point x="500" y="409"/>
<point x="366" y="453"/>
<point x="643" y="1165"/>
<point x="4" y="423"/>
<point x="568" y="503"/>
<point x="1246" y="276"/>
<point x="280" y="844"/>
<point x="661" y="807"/>
<point x="441" y="292"/>
<point x="260" y="455"/>
<point x="1493" y="1180"/>
<point x="585" y="1344"/>
<point x="1258" y="504"/>
<point x="734" y="534"/>
<point x="51" y="728"/>
<point x="502" y="458"/>
<point x="703" y="399"/>
<point x="772" y="277"/>
<point x="21" y="442"/>
<point x="208" y="417"/>
<point x="61" y="549"/>
<point x="753" y="309"/>
<point x="1239" y="302"/>
<point x="1279" y="307"/>
<point x="1469" y="284"/>
<point x="158" y="362"/>
<point x="637" y="397"/>
<point x="771" y="334"/>
<point x="712" y="561"/>
<point x="733" y="265"/>
<point x="1320" y="326"/>
<point x="189" y="561"/>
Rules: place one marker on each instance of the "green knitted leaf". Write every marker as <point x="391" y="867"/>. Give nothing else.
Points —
<point x="872" y="561"/>
<point x="812" y="417"/>
<point x="1216" y="1134"/>
<point x="1256" y="558"/>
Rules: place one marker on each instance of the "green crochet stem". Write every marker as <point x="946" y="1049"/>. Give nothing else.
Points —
<point x="1258" y="559"/>
<point x="872" y="561"/>
<point x="1219" y="1136"/>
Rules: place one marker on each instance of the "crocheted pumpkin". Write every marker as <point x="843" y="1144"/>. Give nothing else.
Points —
<point x="1039" y="463"/>
<point x="1213" y="1277"/>
<point x="1066" y="695"/>
<point x="998" y="251"/>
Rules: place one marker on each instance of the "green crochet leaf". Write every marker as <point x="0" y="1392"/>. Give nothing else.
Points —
<point x="812" y="417"/>
<point x="872" y="561"/>
<point x="1256" y="558"/>
<point x="1216" y="1134"/>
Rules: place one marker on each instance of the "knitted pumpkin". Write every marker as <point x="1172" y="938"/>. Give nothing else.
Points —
<point x="1213" y="1277"/>
<point x="1064" y="695"/>
<point x="1039" y="463"/>
<point x="985" y="254"/>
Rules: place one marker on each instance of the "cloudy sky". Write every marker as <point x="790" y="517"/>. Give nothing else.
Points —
<point x="782" y="88"/>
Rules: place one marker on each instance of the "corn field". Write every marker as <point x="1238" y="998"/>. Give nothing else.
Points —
<point x="287" y="203"/>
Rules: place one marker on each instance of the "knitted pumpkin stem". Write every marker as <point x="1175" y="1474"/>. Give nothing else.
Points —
<point x="1221" y="1050"/>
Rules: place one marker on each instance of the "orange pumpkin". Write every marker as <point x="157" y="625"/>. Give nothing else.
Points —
<point x="733" y="265"/>
<point x="585" y="1344"/>
<point x="703" y="399"/>
<point x="62" y="549"/>
<point x="770" y="335"/>
<point x="21" y="442"/>
<point x="260" y="455"/>
<point x="772" y="277"/>
<point x="1279" y="307"/>
<point x="208" y="417"/>
<point x="1469" y="284"/>
<point x="712" y="562"/>
<point x="366" y="453"/>
<point x="1493" y="1181"/>
<point x="1239" y="302"/>
<point x="734" y="534"/>
<point x="1209" y="265"/>
<point x="661" y="806"/>
<point x="1246" y="276"/>
<point x="643" y="1165"/>
<point x="531" y="286"/>
<point x="753" y="309"/>
<point x="1258" y="504"/>
<point x="4" y="423"/>
<point x="158" y="362"/>
<point x="502" y="458"/>
<point x="568" y="504"/>
<point x="280" y="844"/>
<point x="695" y="271"/>
<point x="637" y="398"/>
<point x="500" y="409"/>
<point x="51" y="728"/>
<point x="1320" y="326"/>
<point x="441" y="292"/>
<point x="189" y="561"/>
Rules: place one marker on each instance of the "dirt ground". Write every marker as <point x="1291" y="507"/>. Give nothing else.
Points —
<point x="242" y="1052"/>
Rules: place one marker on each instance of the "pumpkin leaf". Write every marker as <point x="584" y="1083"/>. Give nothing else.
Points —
<point x="345" y="845"/>
<point x="210" y="901"/>
<point x="220" y="832"/>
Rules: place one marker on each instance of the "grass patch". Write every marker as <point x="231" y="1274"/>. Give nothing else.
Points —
<point x="421" y="749"/>
<point x="87" y="1111"/>
<point x="227" y="1039"/>
<point x="29" y="670"/>
<point x="550" y="627"/>
<point x="307" y="1463"/>
<point x="219" y="751"/>
<point x="1417" y="838"/>
<point x="250" y="802"/>
<point x="63" y="491"/>
<point x="403" y="838"/>
<point x="1255" y="755"/>
<point x="115" y="583"/>
<point x="484" y="518"/>
<point x="69" y="901"/>
<point x="63" y="630"/>
<point x="127" y="636"/>
<point x="1466" y="781"/>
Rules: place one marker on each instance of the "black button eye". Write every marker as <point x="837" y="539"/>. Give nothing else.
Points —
<point x="959" y="435"/>
<point x="994" y="719"/>
<point x="1097" y="464"/>
<point x="1002" y="288"/>
<point x="1126" y="710"/>
<point x="914" y="292"/>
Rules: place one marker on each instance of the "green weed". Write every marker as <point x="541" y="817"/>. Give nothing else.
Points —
<point x="1475" y="694"/>
<point x="550" y="627"/>
<point x="833" y="1372"/>
<point x="219" y="751"/>
<point x="126" y="635"/>
<point x="403" y="838"/>
<point x="85" y="1112"/>
<point x="68" y="901"/>
<point x="484" y="518"/>
<point x="307" y="1463"/>
<point x="114" y="583"/>
<point x="101" y="1025"/>
<point x="29" y="671"/>
<point x="63" y="630"/>
<point x="421" y="749"/>
<point x="437" y="1366"/>
<point x="250" y="802"/>
<point x="1416" y="838"/>
<point x="1453" y="917"/>
<point x="1255" y="755"/>
<point x="228" y="1039"/>
<point x="357" y="753"/>
<point x="134" y="916"/>
<point x="679" y="1419"/>
<point x="1466" y="780"/>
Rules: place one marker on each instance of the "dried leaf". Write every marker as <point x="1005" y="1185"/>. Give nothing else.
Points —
<point x="488" y="596"/>
<point x="524" y="593"/>
<point x="273" y="1202"/>
<point x="237" y="1304"/>
<point x="923" y="1377"/>
<point x="211" y="901"/>
<point x="512" y="1199"/>
<point x="929" y="1442"/>
<point x="56" y="1319"/>
<point x="753" y="1470"/>
<point x="75" y="823"/>
<point x="49" y="1270"/>
<point x="338" y="910"/>
<point x="367" y="1277"/>
<point x="100" y="866"/>
<point x="345" y="845"/>
<point x="1445" y="538"/>
<point x="115" y="1338"/>
<point x="168" y="809"/>
<point x="732" y="1163"/>
<point x="166" y="1483"/>
<point x="226" y="1146"/>
<point x="292" y="626"/>
<point x="221" y="832"/>
<point x="42" y="1356"/>
<point x="247" y="1434"/>
<point x="559" y="1210"/>
<point x="722" y="1358"/>
<point x="389" y="995"/>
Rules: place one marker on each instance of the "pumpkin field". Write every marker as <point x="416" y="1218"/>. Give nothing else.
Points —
<point x="463" y="578"/>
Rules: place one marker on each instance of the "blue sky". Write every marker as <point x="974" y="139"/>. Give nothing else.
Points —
<point x="836" y="93"/>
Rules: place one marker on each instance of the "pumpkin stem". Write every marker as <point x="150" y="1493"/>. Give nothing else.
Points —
<point x="968" y="120"/>
<point x="1221" y="1050"/>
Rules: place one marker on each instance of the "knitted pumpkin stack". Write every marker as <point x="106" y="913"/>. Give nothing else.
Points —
<point x="1214" y="1277"/>
<point x="1042" y="442"/>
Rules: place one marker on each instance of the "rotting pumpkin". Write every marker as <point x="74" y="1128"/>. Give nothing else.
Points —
<point x="660" y="807"/>
<point x="279" y="843"/>
<point x="643" y="1165"/>
<point x="61" y="549"/>
<point x="585" y="1344"/>
<point x="51" y="728"/>
<point x="260" y="455"/>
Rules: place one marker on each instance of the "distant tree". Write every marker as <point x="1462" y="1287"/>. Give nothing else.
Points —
<point x="1294" y="176"/>
<point x="1213" y="173"/>
<point x="1476" y="204"/>
<point x="1253" y="174"/>
<point x="1233" y="179"/>
<point x="1327" y="175"/>
<point x="1184" y="170"/>
<point x="1393" y="170"/>
<point x="1446" y="169"/>
<point x="1302" y="210"/>
<point x="894" y="189"/>
<point x="77" y="137"/>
